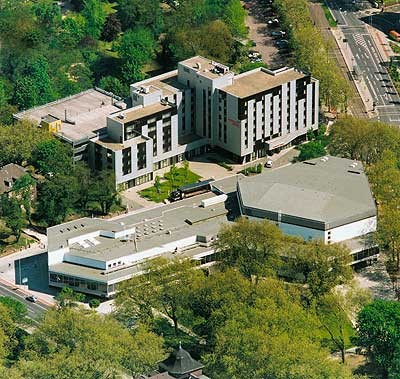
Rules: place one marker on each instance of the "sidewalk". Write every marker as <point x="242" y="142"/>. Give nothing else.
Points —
<point x="381" y="42"/>
<point x="347" y="54"/>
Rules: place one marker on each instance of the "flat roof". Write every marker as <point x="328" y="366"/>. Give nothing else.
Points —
<point x="166" y="226"/>
<point x="109" y="143"/>
<point x="160" y="226"/>
<point x="86" y="113"/>
<point x="321" y="193"/>
<point x="167" y="83"/>
<point x="259" y="80"/>
<point x="137" y="113"/>
<point x="205" y="67"/>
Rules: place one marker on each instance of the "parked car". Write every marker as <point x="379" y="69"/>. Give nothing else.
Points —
<point x="268" y="163"/>
<point x="254" y="54"/>
<point x="281" y="33"/>
<point x="273" y="22"/>
<point x="282" y="43"/>
<point x="31" y="298"/>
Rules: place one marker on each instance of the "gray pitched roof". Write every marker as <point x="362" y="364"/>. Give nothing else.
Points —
<point x="319" y="193"/>
<point x="180" y="362"/>
<point x="8" y="175"/>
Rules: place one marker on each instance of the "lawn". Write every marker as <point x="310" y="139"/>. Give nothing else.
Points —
<point x="332" y="22"/>
<point x="181" y="177"/>
<point x="8" y="245"/>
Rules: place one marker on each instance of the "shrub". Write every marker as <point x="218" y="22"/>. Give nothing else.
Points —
<point x="94" y="303"/>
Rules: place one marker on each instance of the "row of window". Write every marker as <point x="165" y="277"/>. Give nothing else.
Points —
<point x="78" y="283"/>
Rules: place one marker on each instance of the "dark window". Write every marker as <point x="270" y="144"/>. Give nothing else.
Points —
<point x="141" y="156"/>
<point x="126" y="161"/>
<point x="167" y="145"/>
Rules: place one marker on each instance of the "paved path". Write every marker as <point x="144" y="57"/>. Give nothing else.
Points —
<point x="377" y="280"/>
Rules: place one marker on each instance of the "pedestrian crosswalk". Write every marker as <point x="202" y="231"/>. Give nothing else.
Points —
<point x="360" y="40"/>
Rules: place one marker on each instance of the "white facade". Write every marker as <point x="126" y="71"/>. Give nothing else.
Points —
<point x="203" y="104"/>
<point x="352" y="230"/>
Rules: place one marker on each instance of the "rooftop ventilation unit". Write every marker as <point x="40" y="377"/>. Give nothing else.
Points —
<point x="121" y="116"/>
<point x="198" y="65"/>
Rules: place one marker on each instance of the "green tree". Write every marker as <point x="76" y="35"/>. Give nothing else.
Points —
<point x="378" y="333"/>
<point x="145" y="351"/>
<point x="250" y="246"/>
<point x="335" y="310"/>
<point x="310" y="150"/>
<point x="213" y="300"/>
<point x="18" y="310"/>
<point x="8" y="332"/>
<point x="140" y="13"/>
<point x="273" y="338"/>
<point x="136" y="45"/>
<point x="114" y="85"/>
<point x="52" y="157"/>
<point x="363" y="140"/>
<point x="23" y="189"/>
<point x="111" y="28"/>
<point x="70" y="343"/>
<point x="74" y="29"/>
<point x="173" y="173"/>
<point x="56" y="199"/>
<point x="103" y="191"/>
<point x="321" y="266"/>
<point x="185" y="165"/>
<point x="25" y="95"/>
<point x="166" y="286"/>
<point x="17" y="141"/>
<point x="48" y="13"/>
<point x="235" y="18"/>
<point x="157" y="184"/>
<point x="3" y="95"/>
<point x="84" y="183"/>
<point x="68" y="298"/>
<point x="95" y="15"/>
<point x="11" y="212"/>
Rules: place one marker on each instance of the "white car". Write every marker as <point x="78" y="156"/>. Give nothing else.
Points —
<point x="268" y="163"/>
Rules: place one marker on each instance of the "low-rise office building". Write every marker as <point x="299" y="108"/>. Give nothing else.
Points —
<point x="327" y="198"/>
<point x="76" y="119"/>
<point x="183" y="113"/>
<point x="94" y="255"/>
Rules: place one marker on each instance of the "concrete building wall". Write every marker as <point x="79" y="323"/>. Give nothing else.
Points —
<point x="85" y="261"/>
<point x="296" y="230"/>
<point x="348" y="231"/>
<point x="115" y="129"/>
<point x="57" y="256"/>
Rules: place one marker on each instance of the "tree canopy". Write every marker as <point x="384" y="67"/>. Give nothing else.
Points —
<point x="378" y="333"/>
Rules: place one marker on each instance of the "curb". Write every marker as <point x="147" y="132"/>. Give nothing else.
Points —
<point x="14" y="287"/>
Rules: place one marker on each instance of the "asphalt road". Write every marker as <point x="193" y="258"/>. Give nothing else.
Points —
<point x="367" y="61"/>
<point x="35" y="310"/>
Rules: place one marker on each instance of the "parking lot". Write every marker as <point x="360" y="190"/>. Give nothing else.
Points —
<point x="266" y="34"/>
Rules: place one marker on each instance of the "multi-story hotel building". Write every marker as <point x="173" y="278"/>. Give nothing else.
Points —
<point x="185" y="112"/>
